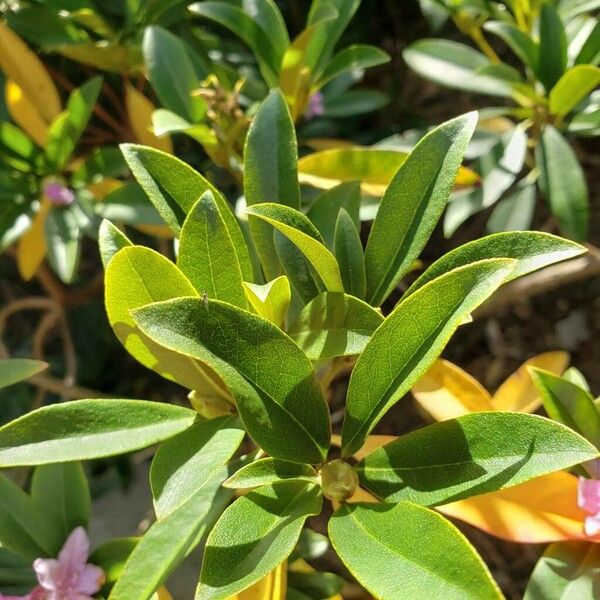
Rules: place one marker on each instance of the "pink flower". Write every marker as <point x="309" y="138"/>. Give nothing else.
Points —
<point x="588" y="499"/>
<point x="315" y="107"/>
<point x="70" y="577"/>
<point x="58" y="194"/>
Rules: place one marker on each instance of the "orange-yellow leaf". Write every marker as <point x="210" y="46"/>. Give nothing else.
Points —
<point x="22" y="66"/>
<point x="25" y="114"/>
<point x="163" y="593"/>
<point x="373" y="442"/>
<point x="31" y="247"/>
<point x="538" y="511"/>
<point x="159" y="231"/>
<point x="272" y="586"/>
<point x="318" y="144"/>
<point x="447" y="392"/>
<point x="139" y="110"/>
<point x="518" y="393"/>
<point x="103" y="187"/>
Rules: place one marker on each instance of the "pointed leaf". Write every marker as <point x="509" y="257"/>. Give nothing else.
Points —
<point x="271" y="300"/>
<point x="207" y="255"/>
<point x="412" y="205"/>
<point x="383" y="546"/>
<point x="552" y="47"/>
<point x="352" y="58"/>
<point x="88" y="429"/>
<point x="334" y="324"/>
<point x="572" y="88"/>
<point x="25" y="114"/>
<point x="13" y="370"/>
<point x="349" y="254"/>
<point x="410" y="339"/>
<point x="520" y="43"/>
<point x="63" y="234"/>
<point x="470" y="455"/>
<point x="270" y="471"/>
<point x="110" y="239"/>
<point x="32" y="246"/>
<point x="247" y="351"/>
<point x="273" y="518"/>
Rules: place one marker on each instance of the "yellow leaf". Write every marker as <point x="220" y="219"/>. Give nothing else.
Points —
<point x="31" y="247"/>
<point x="104" y="55"/>
<point x="272" y="586"/>
<point x="139" y="110"/>
<point x="518" y="393"/>
<point x="539" y="511"/>
<point x="373" y="167"/>
<point x="318" y="144"/>
<point x="270" y="300"/>
<point x="103" y="187"/>
<point x="23" y="67"/>
<point x="163" y="593"/>
<point x="159" y="231"/>
<point x="25" y="114"/>
<point x="447" y="392"/>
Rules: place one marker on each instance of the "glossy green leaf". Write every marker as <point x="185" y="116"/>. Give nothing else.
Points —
<point x="518" y="41"/>
<point x="474" y="454"/>
<point x="413" y="204"/>
<point x="237" y="556"/>
<point x="590" y="51"/>
<point x="16" y="149"/>
<point x="88" y="429"/>
<point x="400" y="550"/>
<point x="24" y="528"/>
<point x="566" y="571"/>
<point x="13" y="370"/>
<point x="243" y="25"/>
<point x="323" y="213"/>
<point x="563" y="183"/>
<point x="174" y="187"/>
<point x="311" y="544"/>
<point x="248" y="351"/>
<point x="189" y="460"/>
<point x="552" y="46"/>
<point x="532" y="250"/>
<point x="207" y="255"/>
<point x="270" y="171"/>
<point x="110" y="240"/>
<point x="63" y="234"/>
<point x="568" y="403"/>
<point x="334" y="324"/>
<point x="67" y="128"/>
<point x="454" y="65"/>
<point x="173" y="86"/>
<point x="350" y="256"/>
<point x="270" y="471"/>
<point x="572" y="88"/>
<point x="271" y="300"/>
<point x="61" y="492"/>
<point x="410" y="339"/>
<point x="267" y="15"/>
<point x="301" y="232"/>
<point x="515" y="212"/>
<point x="353" y="58"/>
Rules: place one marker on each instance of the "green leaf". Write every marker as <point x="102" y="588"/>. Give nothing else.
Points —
<point x="590" y="51"/>
<point x="471" y="455"/>
<point x="270" y="171"/>
<point x="354" y="102"/>
<point x="324" y="211"/>
<point x="110" y="240"/>
<point x="236" y="557"/>
<point x="572" y="88"/>
<point x="552" y="47"/>
<point x="515" y="212"/>
<point x="563" y="184"/>
<point x="247" y="351"/>
<point x="24" y="528"/>
<point x="315" y="584"/>
<point x="173" y="86"/>
<point x="353" y="58"/>
<point x="311" y="544"/>
<point x="455" y="65"/>
<point x="267" y="15"/>
<point x="63" y="238"/>
<point x="520" y="43"/>
<point x="301" y="232"/>
<point x="189" y="460"/>
<point x="16" y="149"/>
<point x="413" y="204"/>
<point x="67" y="128"/>
<point x="14" y="370"/>
<point x="398" y="551"/>
<point x="566" y="570"/>
<point x="569" y="404"/>
<point x="270" y="471"/>
<point x="248" y="29"/>
<point x="350" y="256"/>
<point x="271" y="300"/>
<point x="61" y="493"/>
<point x="532" y="250"/>
<point x="88" y="429"/>
<point x="410" y="339"/>
<point x="112" y="555"/>
<point x="207" y="254"/>
<point x="130" y="205"/>
<point x="174" y="187"/>
<point x="334" y="324"/>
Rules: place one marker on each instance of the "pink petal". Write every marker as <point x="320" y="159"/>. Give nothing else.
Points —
<point x="90" y="580"/>
<point x="588" y="495"/>
<point x="592" y="525"/>
<point x="75" y="552"/>
<point x="49" y="573"/>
